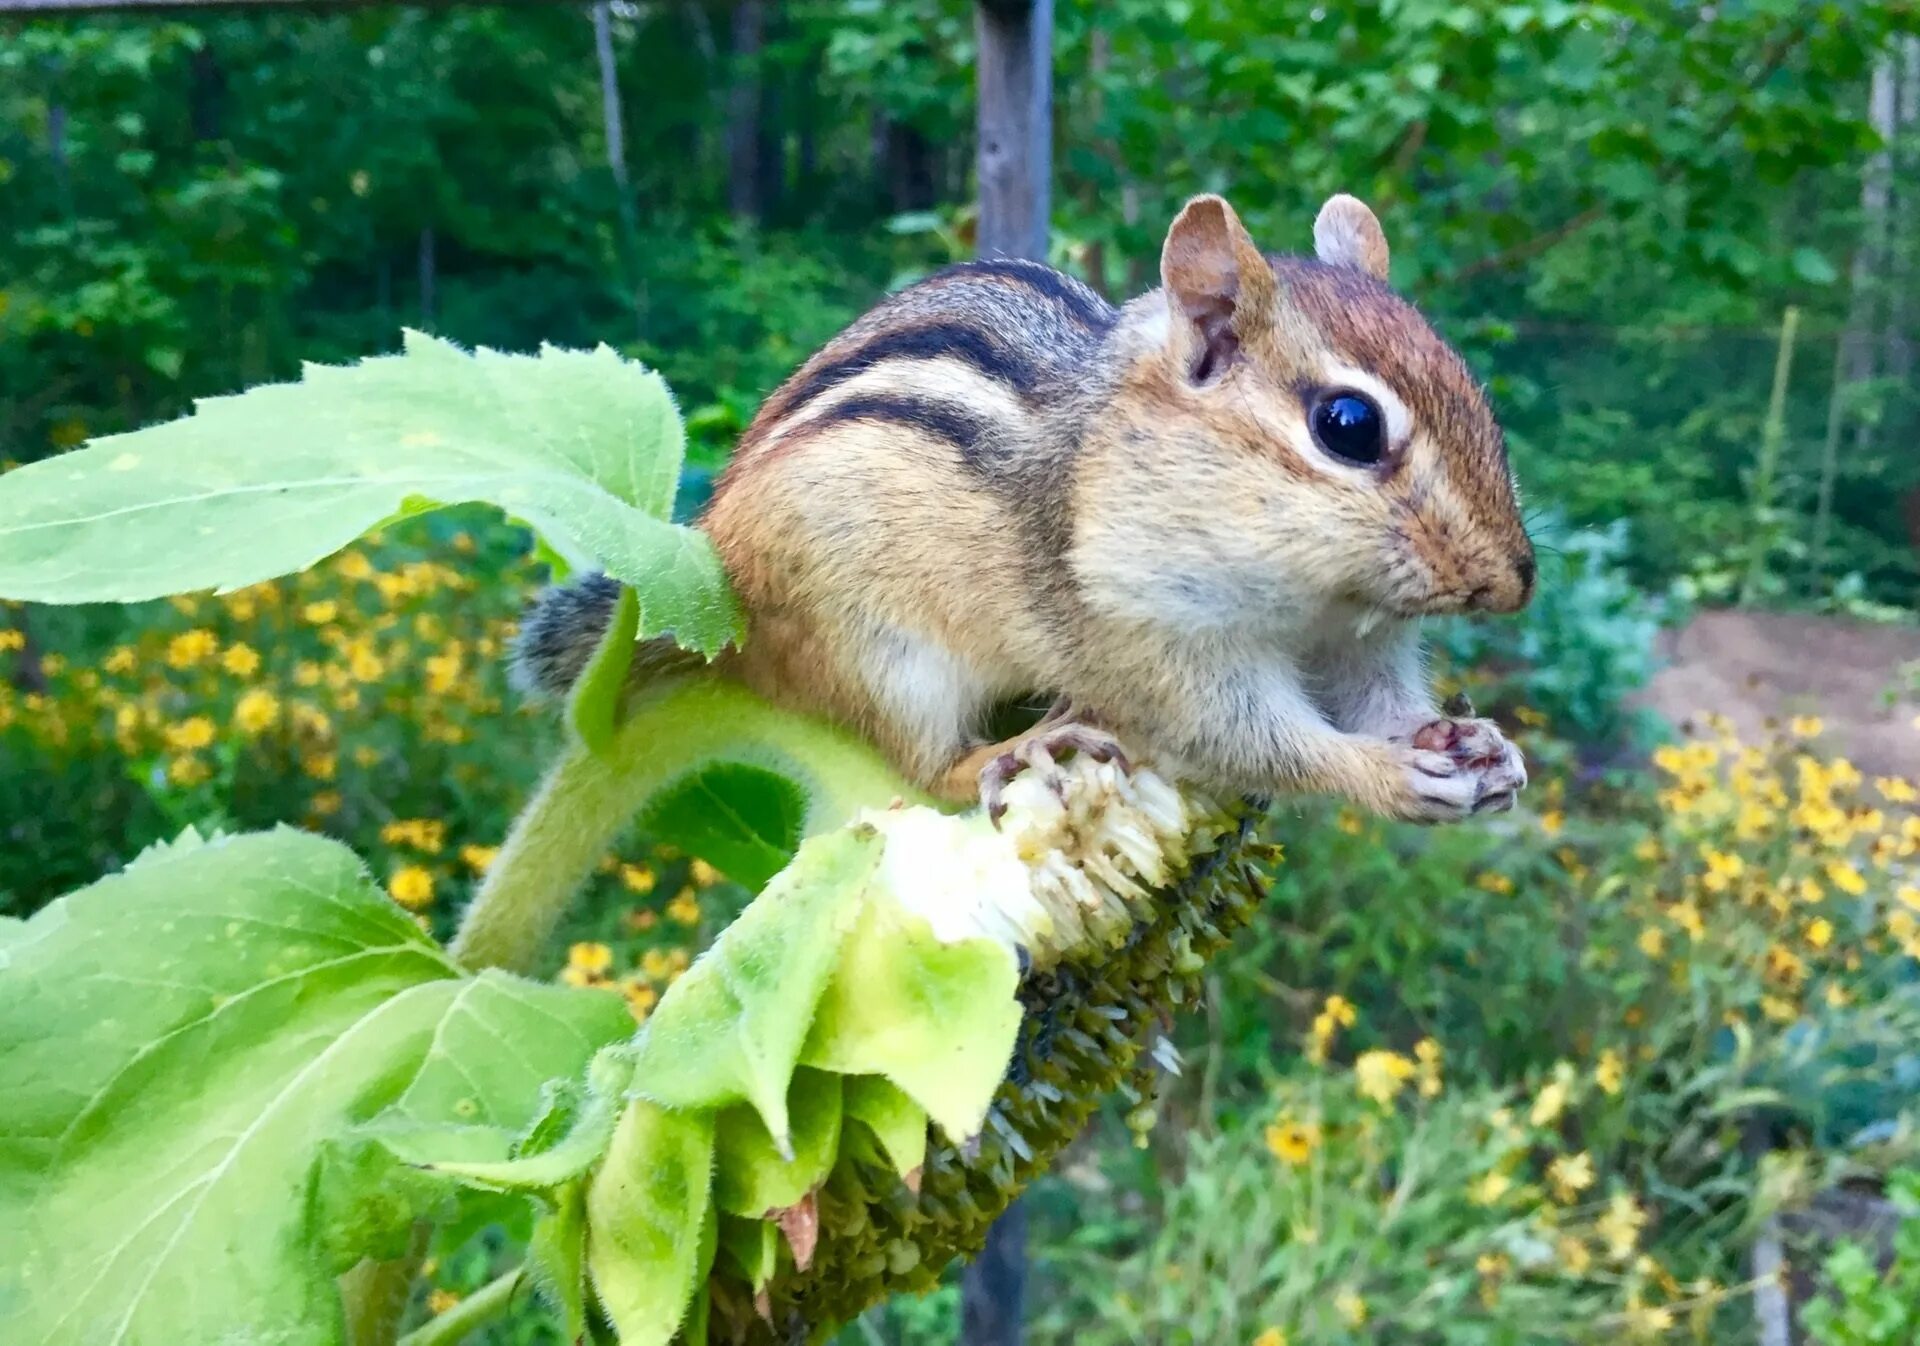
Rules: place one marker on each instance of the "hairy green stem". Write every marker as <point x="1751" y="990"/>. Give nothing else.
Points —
<point x="664" y="736"/>
<point x="374" y="1294"/>
<point x="470" y="1314"/>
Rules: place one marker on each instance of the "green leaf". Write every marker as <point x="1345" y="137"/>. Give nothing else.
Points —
<point x="595" y="701"/>
<point x="557" y="1256"/>
<point x="753" y="1174"/>
<point x="582" y="445"/>
<point x="753" y="1246"/>
<point x="564" y="1145"/>
<point x="938" y="1020"/>
<point x="1812" y="266"/>
<point x="647" y="1212"/>
<point x="897" y="1122"/>
<point x="743" y="820"/>
<point x="182" y="1043"/>
<point x="732" y="1027"/>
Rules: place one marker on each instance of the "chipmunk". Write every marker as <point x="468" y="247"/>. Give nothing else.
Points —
<point x="1208" y="522"/>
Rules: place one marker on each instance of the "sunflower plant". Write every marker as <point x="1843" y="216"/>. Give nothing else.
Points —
<point x="245" y="1081"/>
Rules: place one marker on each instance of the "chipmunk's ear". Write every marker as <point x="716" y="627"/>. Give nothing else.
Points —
<point x="1346" y="233"/>
<point x="1216" y="279"/>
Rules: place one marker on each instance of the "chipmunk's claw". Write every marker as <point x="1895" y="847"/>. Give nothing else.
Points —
<point x="1039" y="751"/>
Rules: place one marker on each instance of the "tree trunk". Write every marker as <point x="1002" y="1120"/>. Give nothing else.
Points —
<point x="610" y="114"/>
<point x="614" y="121"/>
<point x="1870" y="262"/>
<point x="743" y="111"/>
<point x="1901" y="217"/>
<point x="206" y="95"/>
<point x="1016" y="125"/>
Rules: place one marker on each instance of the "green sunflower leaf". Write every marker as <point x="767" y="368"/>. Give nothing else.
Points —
<point x="185" y="1049"/>
<point x="584" y="446"/>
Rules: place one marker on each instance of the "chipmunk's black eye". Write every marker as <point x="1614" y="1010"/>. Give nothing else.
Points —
<point x="1349" y="425"/>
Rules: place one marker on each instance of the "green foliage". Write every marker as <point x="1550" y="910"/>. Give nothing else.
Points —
<point x="1864" y="1305"/>
<point x="226" y="1037"/>
<point x="195" y="503"/>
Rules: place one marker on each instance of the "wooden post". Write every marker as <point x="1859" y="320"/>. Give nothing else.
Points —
<point x="994" y="1285"/>
<point x="1016" y="179"/>
<point x="1015" y="125"/>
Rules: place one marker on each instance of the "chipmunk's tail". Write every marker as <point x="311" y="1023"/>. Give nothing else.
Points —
<point x="562" y="628"/>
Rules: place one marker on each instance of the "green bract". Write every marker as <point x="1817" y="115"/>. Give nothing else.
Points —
<point x="582" y="445"/>
<point x="188" y="1047"/>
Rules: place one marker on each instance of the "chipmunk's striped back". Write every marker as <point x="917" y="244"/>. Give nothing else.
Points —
<point x="969" y="357"/>
<point x="972" y="366"/>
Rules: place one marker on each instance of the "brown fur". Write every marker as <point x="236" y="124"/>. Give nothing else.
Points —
<point x="994" y="484"/>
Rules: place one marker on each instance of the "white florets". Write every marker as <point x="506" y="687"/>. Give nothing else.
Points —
<point x="1074" y="862"/>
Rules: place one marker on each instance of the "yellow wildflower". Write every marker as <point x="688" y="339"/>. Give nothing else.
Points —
<point x="1807" y="726"/>
<point x="196" y="732"/>
<point x="1645" y="1320"/>
<point x="1574" y="1257"/>
<point x="1549" y="1103"/>
<point x="320" y="613"/>
<point x="325" y="803"/>
<point x="190" y="647"/>
<point x="640" y="997"/>
<point x="479" y="858"/>
<point x="424" y="834"/>
<point x="1351" y="1307"/>
<point x="1273" y="1336"/>
<point x="1380" y="1074"/>
<point x="592" y="958"/>
<point x="1498" y="884"/>
<point x="354" y="565"/>
<point x="1293" y="1142"/>
<point x="187" y="770"/>
<point x="1569" y="1175"/>
<point x="1652" y="941"/>
<point x="655" y="964"/>
<point x="703" y="874"/>
<point x="15" y="640"/>
<point x="1784" y="965"/>
<point x="1610" y="1072"/>
<point x="1429" y="1055"/>
<point x="1552" y="821"/>
<point x="637" y="878"/>
<point x="121" y="661"/>
<point x="1819" y="932"/>
<point x="440" y="1300"/>
<point x="1687" y="916"/>
<point x="241" y="660"/>
<point x="685" y="907"/>
<point x="256" y="710"/>
<point x="411" y="886"/>
<point x="1846" y="878"/>
<point x="1620" y="1227"/>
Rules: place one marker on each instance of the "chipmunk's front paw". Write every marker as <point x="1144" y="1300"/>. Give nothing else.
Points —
<point x="1038" y="751"/>
<point x="1480" y="753"/>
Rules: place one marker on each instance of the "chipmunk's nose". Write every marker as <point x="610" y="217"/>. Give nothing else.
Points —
<point x="1510" y="589"/>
